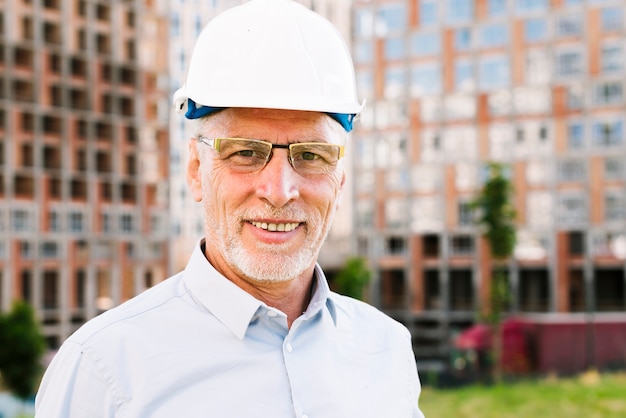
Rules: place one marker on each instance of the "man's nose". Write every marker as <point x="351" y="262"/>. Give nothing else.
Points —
<point x="277" y="182"/>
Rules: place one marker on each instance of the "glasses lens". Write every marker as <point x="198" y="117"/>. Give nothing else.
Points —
<point x="314" y="158"/>
<point x="244" y="154"/>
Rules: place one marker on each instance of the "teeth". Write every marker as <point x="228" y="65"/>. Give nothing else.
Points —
<point x="276" y="227"/>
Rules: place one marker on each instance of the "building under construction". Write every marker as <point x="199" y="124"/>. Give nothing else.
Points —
<point x="83" y="155"/>
<point x="452" y="85"/>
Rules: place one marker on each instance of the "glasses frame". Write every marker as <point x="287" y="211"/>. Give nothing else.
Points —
<point x="216" y="142"/>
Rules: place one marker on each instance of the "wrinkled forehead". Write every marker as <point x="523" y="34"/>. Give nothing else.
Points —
<point x="273" y="124"/>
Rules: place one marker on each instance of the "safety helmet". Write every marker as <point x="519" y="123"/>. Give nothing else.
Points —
<point x="273" y="54"/>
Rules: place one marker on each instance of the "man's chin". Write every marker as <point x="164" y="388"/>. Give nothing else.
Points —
<point x="271" y="267"/>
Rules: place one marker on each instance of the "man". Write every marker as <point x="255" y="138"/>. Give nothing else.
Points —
<point x="250" y="327"/>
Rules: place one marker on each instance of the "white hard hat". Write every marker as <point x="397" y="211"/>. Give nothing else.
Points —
<point x="273" y="54"/>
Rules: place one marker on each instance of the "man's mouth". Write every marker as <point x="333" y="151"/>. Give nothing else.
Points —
<point x="280" y="227"/>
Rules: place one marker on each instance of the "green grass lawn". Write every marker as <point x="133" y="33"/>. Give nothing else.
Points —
<point x="590" y="395"/>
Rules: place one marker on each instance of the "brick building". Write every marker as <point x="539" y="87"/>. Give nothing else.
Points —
<point x="537" y="85"/>
<point x="83" y="155"/>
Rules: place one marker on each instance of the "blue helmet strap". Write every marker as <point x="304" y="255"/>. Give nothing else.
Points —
<point x="194" y="112"/>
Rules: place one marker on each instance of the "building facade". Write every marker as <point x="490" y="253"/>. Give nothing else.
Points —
<point x="83" y="155"/>
<point x="451" y="85"/>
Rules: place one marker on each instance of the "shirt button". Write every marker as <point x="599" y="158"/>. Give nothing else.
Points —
<point x="271" y="313"/>
<point x="289" y="347"/>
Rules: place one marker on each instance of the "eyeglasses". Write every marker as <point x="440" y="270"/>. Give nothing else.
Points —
<point x="251" y="155"/>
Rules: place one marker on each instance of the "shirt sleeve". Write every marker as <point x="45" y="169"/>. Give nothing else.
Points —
<point x="415" y="387"/>
<point x="74" y="386"/>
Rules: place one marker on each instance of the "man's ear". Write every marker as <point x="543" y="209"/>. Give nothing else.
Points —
<point x="194" y="175"/>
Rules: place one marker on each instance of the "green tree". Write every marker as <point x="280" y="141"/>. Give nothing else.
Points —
<point x="353" y="278"/>
<point x="22" y="346"/>
<point x="497" y="217"/>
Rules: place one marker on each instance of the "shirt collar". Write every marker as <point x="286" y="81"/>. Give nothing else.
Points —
<point x="233" y="306"/>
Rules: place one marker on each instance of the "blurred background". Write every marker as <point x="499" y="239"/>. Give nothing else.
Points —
<point x="94" y="206"/>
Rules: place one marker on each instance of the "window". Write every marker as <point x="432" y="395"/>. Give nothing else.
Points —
<point x="612" y="58"/>
<point x="539" y="172"/>
<point x="464" y="75"/>
<point x="430" y="245"/>
<point x="496" y="7"/>
<point x="494" y="35"/>
<point x="460" y="143"/>
<point x="363" y="52"/>
<point x="428" y="14"/>
<point x="26" y="250"/>
<point x="423" y="44"/>
<point x="501" y="141"/>
<point x="76" y="222"/>
<point x="575" y="97"/>
<point x="426" y="214"/>
<point x="614" y="205"/>
<point x="526" y="6"/>
<point x="572" y="209"/>
<point x="529" y="100"/>
<point x="364" y="214"/>
<point x="395" y="245"/>
<point x="49" y="249"/>
<point x="539" y="212"/>
<point x="105" y="220"/>
<point x="569" y="63"/>
<point x="607" y="133"/>
<point x="397" y="180"/>
<point x="572" y="170"/>
<point x="54" y="221"/>
<point x="569" y="26"/>
<point x="575" y="136"/>
<point x="126" y="223"/>
<point x="461" y="291"/>
<point x="609" y="93"/>
<point x="156" y="224"/>
<point x="391" y="18"/>
<point x="425" y="79"/>
<point x="396" y="213"/>
<point x="538" y="70"/>
<point x="394" y="48"/>
<point x="611" y="19"/>
<point x="21" y="220"/>
<point x="363" y="22"/>
<point x="50" y="289"/>
<point x="494" y="72"/>
<point x="461" y="245"/>
<point x="425" y="177"/>
<point x="465" y="213"/>
<point x="197" y="26"/>
<point x="365" y="87"/>
<point x="536" y="30"/>
<point x="614" y="168"/>
<point x="395" y="82"/>
<point x="463" y="39"/>
<point x="460" y="10"/>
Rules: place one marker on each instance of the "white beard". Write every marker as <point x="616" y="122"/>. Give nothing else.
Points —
<point x="269" y="263"/>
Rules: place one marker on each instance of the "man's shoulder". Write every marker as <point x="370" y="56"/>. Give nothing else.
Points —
<point x="365" y="317"/>
<point x="145" y="303"/>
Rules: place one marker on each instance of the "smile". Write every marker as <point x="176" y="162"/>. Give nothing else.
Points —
<point x="285" y="227"/>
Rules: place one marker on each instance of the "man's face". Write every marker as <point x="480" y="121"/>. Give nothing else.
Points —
<point x="269" y="225"/>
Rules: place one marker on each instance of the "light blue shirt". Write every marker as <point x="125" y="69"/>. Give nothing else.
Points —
<point x="196" y="345"/>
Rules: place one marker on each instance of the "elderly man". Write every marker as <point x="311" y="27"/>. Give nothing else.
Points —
<point x="250" y="327"/>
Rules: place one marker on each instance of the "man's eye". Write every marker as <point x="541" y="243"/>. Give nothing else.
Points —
<point x="246" y="153"/>
<point x="309" y="156"/>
